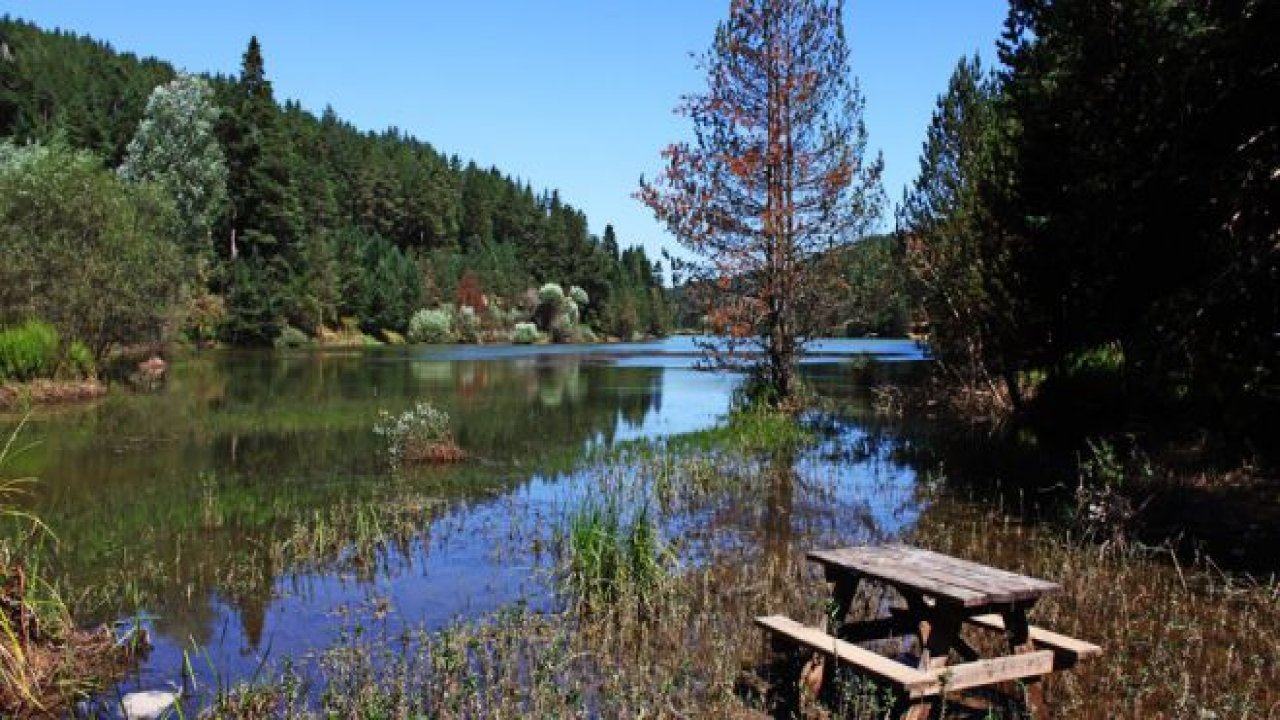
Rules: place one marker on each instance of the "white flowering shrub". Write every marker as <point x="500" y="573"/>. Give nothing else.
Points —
<point x="468" y="325"/>
<point x="419" y="433"/>
<point x="430" y="326"/>
<point x="525" y="333"/>
<point x="578" y="295"/>
<point x="551" y="294"/>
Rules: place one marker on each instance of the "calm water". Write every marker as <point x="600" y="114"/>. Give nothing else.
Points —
<point x="195" y="503"/>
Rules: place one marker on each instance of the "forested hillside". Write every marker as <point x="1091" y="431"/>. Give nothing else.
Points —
<point x="287" y="221"/>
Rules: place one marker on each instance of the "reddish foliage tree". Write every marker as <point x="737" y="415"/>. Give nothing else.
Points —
<point x="773" y="182"/>
<point x="470" y="294"/>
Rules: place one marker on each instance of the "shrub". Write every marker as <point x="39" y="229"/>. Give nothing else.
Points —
<point x="91" y="255"/>
<point x="392" y="337"/>
<point x="579" y="295"/>
<point x="80" y="360"/>
<point x="420" y="434"/>
<point x="525" y="333"/>
<point x="468" y="325"/>
<point x="430" y="326"/>
<point x="291" y="337"/>
<point x="1104" y="509"/>
<point x="551" y="294"/>
<point x="28" y="351"/>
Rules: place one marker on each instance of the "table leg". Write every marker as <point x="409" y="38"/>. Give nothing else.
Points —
<point x="841" y="600"/>
<point x="819" y="672"/>
<point x="939" y="633"/>
<point x="1018" y="632"/>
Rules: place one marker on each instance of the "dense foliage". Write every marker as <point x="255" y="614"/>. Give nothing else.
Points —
<point x="316" y="221"/>
<point x="84" y="250"/>
<point x="1111" y="194"/>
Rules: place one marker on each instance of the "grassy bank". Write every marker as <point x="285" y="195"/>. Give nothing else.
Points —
<point x="663" y="569"/>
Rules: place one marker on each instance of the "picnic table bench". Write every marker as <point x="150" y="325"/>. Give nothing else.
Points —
<point x="942" y="594"/>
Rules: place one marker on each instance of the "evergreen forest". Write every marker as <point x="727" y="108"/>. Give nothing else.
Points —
<point x="211" y="211"/>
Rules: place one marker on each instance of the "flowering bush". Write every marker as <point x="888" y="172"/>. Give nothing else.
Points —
<point x="430" y="326"/>
<point x="420" y="434"/>
<point x="578" y="295"/>
<point x="525" y="333"/>
<point x="551" y="294"/>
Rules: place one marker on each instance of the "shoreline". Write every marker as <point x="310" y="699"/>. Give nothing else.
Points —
<point x="14" y="396"/>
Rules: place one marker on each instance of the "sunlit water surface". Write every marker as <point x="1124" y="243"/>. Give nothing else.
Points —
<point x="191" y="503"/>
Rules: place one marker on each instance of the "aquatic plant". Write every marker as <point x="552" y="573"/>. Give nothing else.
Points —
<point x="419" y="434"/>
<point x="608" y="559"/>
<point x="46" y="663"/>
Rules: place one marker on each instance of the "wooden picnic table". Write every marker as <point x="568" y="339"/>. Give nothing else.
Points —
<point x="942" y="594"/>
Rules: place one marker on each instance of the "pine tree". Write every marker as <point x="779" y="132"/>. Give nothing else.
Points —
<point x="775" y="179"/>
<point x="263" y="217"/>
<point x="954" y="269"/>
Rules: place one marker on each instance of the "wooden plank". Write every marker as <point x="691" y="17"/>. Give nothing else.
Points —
<point x="916" y="683"/>
<point x="954" y="678"/>
<point x="956" y="571"/>
<point x="885" y="570"/>
<point x="897" y="566"/>
<point x="878" y="629"/>
<point x="1041" y="636"/>
<point x="1004" y="578"/>
<point x="962" y="581"/>
<point x="818" y="640"/>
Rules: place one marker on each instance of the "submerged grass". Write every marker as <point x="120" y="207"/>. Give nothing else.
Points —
<point x="654" y="641"/>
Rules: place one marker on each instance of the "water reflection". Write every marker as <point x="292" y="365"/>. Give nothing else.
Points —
<point x="227" y="505"/>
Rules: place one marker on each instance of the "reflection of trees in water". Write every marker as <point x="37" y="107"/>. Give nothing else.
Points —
<point x="181" y="495"/>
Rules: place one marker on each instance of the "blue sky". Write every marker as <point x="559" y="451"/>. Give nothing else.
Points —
<point x="574" y="94"/>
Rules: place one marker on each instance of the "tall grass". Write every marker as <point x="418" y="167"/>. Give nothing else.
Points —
<point x="28" y="351"/>
<point x="608" y="558"/>
<point x="25" y="615"/>
<point x="45" y="662"/>
<point x="1178" y="641"/>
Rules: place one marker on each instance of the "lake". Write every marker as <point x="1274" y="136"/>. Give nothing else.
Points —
<point x="246" y="512"/>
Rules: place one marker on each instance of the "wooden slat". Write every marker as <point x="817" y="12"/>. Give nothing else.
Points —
<point x="979" y="673"/>
<point x="915" y="683"/>
<point x="886" y="570"/>
<point x="1003" y="579"/>
<point x="967" y="583"/>
<point x="1048" y="638"/>
<point x="816" y="639"/>
<point x="966" y="573"/>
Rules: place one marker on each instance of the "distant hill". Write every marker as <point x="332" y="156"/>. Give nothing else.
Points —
<point x="452" y="217"/>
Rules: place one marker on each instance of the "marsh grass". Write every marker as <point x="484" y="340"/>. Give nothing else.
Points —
<point x="1179" y="641"/>
<point x="609" y="558"/>
<point x="46" y="663"/>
